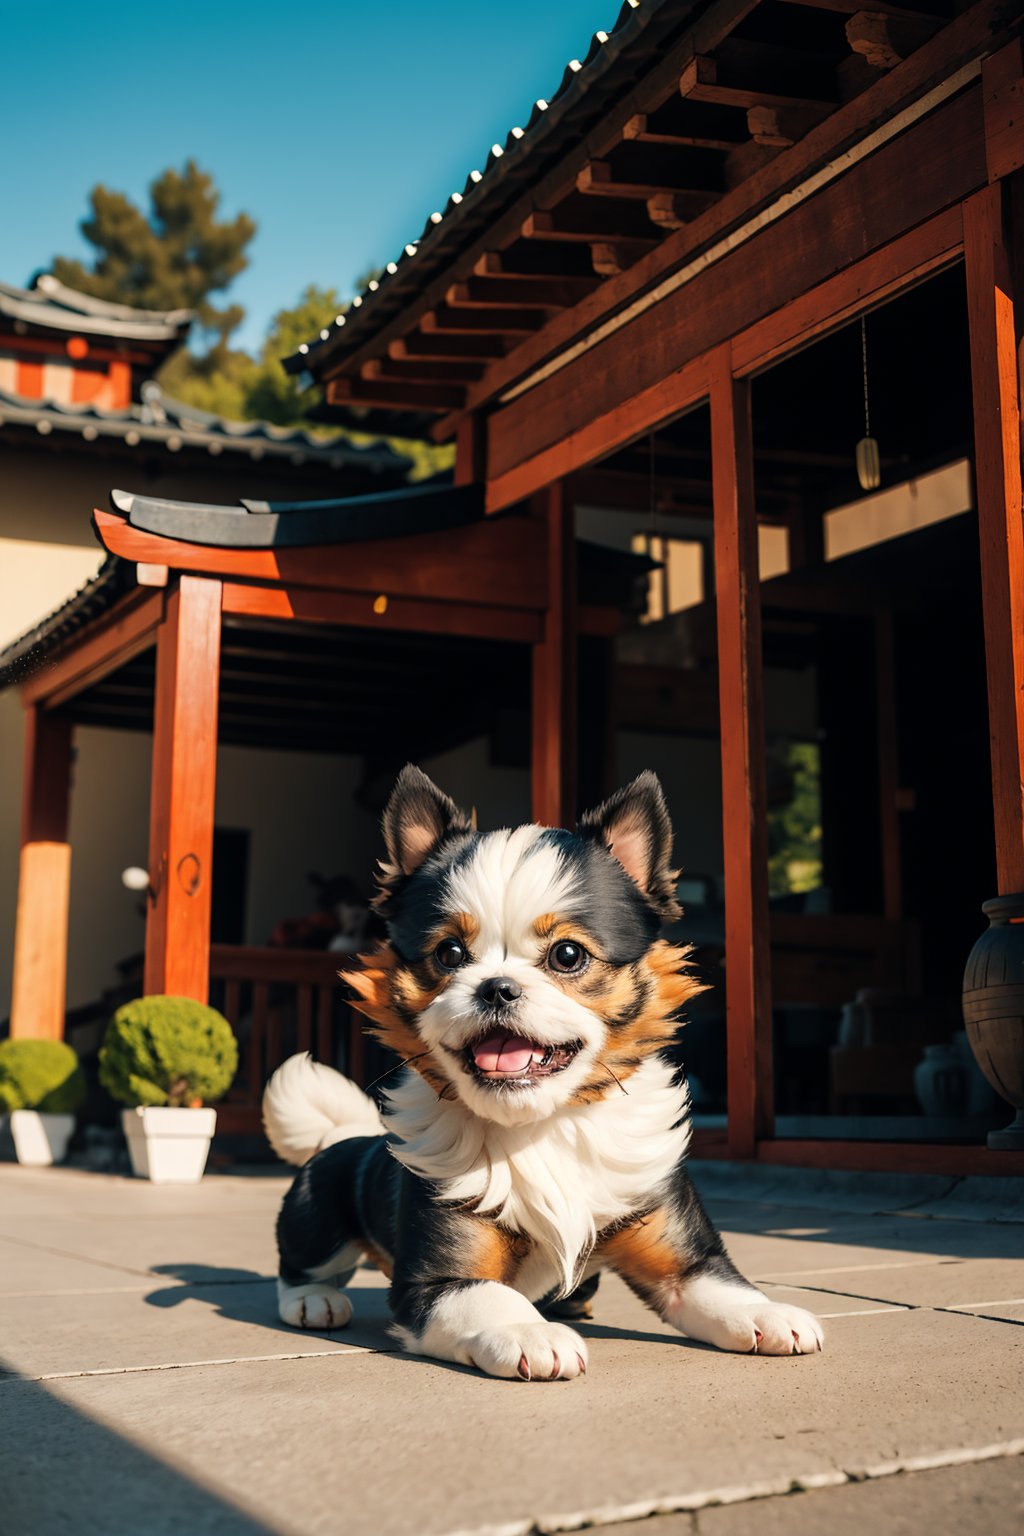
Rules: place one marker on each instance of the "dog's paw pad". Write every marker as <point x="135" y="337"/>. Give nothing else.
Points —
<point x="314" y="1306"/>
<point x="530" y="1351"/>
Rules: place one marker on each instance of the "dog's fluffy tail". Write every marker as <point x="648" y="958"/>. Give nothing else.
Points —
<point x="307" y="1106"/>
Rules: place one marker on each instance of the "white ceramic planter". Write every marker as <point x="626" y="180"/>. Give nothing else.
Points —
<point x="40" y="1139"/>
<point x="168" y="1146"/>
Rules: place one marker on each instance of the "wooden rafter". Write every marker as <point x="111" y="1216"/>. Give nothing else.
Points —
<point x="407" y="397"/>
<point x="519" y="292"/>
<point x="456" y="348"/>
<point x="705" y="79"/>
<point x="584" y="220"/>
<point x="613" y="256"/>
<point x="494" y="322"/>
<point x="973" y="33"/>
<point x="441" y="371"/>
<point x="885" y="41"/>
<point x="639" y="172"/>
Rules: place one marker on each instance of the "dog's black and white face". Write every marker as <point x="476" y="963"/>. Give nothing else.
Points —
<point x="524" y="972"/>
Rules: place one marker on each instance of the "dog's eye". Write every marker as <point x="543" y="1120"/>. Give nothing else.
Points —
<point x="450" y="954"/>
<point x="567" y="956"/>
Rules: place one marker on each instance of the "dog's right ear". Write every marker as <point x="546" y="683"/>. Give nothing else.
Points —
<point x="417" y="817"/>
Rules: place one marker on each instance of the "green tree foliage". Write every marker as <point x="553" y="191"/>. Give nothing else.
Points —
<point x="176" y="256"/>
<point x="40" y="1074"/>
<point x="794" y="826"/>
<point x="168" y="1050"/>
<point x="173" y="257"/>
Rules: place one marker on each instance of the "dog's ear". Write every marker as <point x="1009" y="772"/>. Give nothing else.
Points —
<point x="634" y="826"/>
<point x="418" y="815"/>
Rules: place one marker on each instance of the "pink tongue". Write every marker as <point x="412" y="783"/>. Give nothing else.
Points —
<point x="501" y="1052"/>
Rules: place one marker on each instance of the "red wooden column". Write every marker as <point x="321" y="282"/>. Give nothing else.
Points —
<point x="182" y="796"/>
<point x="741" y="696"/>
<point x="39" y="993"/>
<point x="994" y="327"/>
<point x="554" y="667"/>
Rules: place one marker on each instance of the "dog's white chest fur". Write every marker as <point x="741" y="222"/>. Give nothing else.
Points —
<point x="560" y="1180"/>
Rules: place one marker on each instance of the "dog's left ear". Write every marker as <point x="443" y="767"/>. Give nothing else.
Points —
<point x="634" y="826"/>
<point x="417" y="817"/>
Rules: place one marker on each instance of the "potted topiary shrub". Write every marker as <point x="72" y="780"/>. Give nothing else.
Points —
<point x="41" y="1086"/>
<point x="168" y="1058"/>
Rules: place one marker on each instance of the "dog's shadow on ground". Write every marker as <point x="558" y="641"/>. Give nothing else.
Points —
<point x="245" y="1296"/>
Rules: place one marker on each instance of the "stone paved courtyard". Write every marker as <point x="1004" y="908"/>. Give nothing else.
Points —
<point x="147" y="1386"/>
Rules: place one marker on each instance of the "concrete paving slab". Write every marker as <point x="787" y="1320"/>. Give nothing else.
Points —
<point x="985" y="1498"/>
<point x="982" y="1497"/>
<point x="999" y="1311"/>
<point x="173" y="1325"/>
<point x="945" y="1283"/>
<point x="395" y="1446"/>
<point x="32" y="1270"/>
<point x="889" y="1245"/>
<point x="203" y="1244"/>
<point x="33" y="1191"/>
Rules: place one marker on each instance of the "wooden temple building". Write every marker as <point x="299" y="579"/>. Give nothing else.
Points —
<point x="653" y="325"/>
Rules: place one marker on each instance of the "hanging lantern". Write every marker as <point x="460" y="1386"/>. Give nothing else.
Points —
<point x="869" y="467"/>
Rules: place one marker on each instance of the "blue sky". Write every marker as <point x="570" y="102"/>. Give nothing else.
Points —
<point x="338" y="127"/>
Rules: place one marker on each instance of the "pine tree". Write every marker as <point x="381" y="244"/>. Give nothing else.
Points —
<point x="174" y="257"/>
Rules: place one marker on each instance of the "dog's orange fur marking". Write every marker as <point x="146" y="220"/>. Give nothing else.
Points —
<point x="390" y="997"/>
<point x="665" y="975"/>
<point x="496" y="1253"/>
<point x="643" y="1254"/>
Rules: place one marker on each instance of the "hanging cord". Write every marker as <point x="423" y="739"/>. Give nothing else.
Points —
<point x="864" y="363"/>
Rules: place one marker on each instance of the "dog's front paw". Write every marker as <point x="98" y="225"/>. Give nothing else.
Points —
<point x="313" y="1306"/>
<point x="732" y="1315"/>
<point x="531" y="1351"/>
<point x="762" y="1327"/>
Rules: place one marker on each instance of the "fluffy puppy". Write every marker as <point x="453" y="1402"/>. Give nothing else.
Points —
<point x="536" y="1134"/>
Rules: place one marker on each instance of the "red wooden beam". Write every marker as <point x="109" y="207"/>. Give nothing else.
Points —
<point x="554" y="668"/>
<point x="741" y="702"/>
<point x="182" y="796"/>
<point x="361" y="610"/>
<point x="951" y="1160"/>
<point x="613" y="429"/>
<point x="994" y="302"/>
<point x="127" y="630"/>
<point x="494" y="563"/>
<point x="38" y="998"/>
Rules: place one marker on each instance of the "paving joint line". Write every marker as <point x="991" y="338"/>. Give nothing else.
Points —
<point x="13" y="1378"/>
<point x="693" y="1503"/>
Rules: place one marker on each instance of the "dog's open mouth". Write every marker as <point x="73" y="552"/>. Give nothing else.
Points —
<point x="502" y="1057"/>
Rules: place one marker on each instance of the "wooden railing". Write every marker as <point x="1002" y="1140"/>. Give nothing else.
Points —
<point x="279" y="1001"/>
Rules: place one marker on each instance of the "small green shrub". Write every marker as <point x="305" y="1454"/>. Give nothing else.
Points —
<point x="168" y="1050"/>
<point x="40" y="1074"/>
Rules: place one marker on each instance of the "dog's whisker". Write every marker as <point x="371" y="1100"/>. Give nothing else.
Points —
<point x="408" y="1061"/>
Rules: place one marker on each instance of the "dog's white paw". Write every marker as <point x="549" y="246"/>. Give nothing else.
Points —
<point x="313" y="1306"/>
<point x="771" y="1328"/>
<point x="531" y="1351"/>
<point x="740" y="1318"/>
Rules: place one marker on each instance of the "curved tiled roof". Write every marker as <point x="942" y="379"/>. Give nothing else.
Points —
<point x="49" y="304"/>
<point x="295" y="524"/>
<point x="584" y="91"/>
<point x="246" y="525"/>
<point x="173" y="425"/>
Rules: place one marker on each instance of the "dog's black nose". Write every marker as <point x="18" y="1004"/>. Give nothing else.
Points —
<point x="498" y="991"/>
